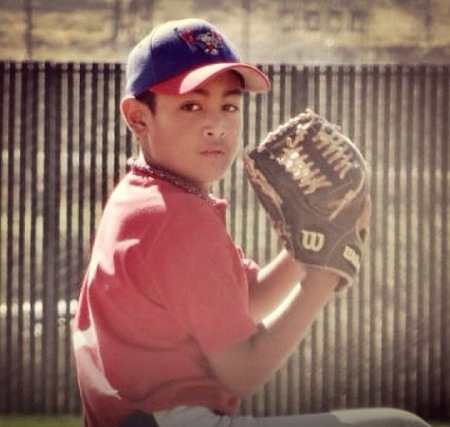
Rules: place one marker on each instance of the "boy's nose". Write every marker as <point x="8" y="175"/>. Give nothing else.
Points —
<point x="217" y="133"/>
<point x="214" y="127"/>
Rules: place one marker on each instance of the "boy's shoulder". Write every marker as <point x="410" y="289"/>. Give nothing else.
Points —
<point x="142" y="197"/>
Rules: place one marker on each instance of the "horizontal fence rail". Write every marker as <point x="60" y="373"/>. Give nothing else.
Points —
<point x="384" y="342"/>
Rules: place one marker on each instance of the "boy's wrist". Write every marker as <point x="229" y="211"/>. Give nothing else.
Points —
<point x="319" y="277"/>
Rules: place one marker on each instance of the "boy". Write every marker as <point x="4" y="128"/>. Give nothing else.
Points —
<point x="168" y="330"/>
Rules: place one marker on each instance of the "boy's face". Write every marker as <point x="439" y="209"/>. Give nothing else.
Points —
<point x="196" y="135"/>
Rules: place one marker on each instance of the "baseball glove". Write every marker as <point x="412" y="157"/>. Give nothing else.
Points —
<point x="314" y="185"/>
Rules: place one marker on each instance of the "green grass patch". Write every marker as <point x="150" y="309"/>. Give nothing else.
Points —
<point x="40" y="421"/>
<point x="75" y="421"/>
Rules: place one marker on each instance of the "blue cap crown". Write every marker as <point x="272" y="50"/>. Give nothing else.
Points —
<point x="176" y="48"/>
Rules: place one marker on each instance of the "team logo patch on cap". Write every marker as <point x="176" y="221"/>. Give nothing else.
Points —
<point x="207" y="41"/>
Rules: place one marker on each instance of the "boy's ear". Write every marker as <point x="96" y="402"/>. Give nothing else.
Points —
<point x="133" y="113"/>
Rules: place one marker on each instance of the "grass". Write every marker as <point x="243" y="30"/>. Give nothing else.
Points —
<point x="74" y="421"/>
<point x="40" y="421"/>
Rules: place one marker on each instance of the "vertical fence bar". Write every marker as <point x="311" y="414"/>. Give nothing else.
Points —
<point x="410" y="333"/>
<point x="25" y="143"/>
<point x="294" y="101"/>
<point x="68" y="278"/>
<point x="421" y="214"/>
<point x="294" y="373"/>
<point x="327" y="383"/>
<point x="315" y="379"/>
<point x="47" y="253"/>
<point x="58" y="105"/>
<point x="300" y="94"/>
<point x="93" y="91"/>
<point x="445" y="243"/>
<point x="445" y="255"/>
<point x="363" y="344"/>
<point x="352" y="365"/>
<point x="245" y="189"/>
<point x="255" y="235"/>
<point x="117" y="136"/>
<point x="377" y="194"/>
<point x="3" y="273"/>
<point x="279" y="394"/>
<point x="270" y="124"/>
<point x="50" y="247"/>
<point x="105" y="110"/>
<point x="385" y="144"/>
<point x="81" y="244"/>
<point x="433" y="267"/>
<point x="341" y="306"/>
<point x="397" y="255"/>
<point x="10" y="266"/>
<point x="34" y="212"/>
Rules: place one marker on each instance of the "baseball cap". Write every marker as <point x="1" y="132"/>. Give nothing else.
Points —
<point x="178" y="56"/>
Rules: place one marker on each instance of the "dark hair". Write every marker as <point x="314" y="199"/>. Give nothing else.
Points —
<point x="149" y="99"/>
<point x="240" y="77"/>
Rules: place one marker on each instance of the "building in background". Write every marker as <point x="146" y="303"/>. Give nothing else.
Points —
<point x="266" y="31"/>
<point x="369" y="31"/>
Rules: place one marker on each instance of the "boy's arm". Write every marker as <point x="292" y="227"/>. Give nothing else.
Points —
<point x="273" y="284"/>
<point x="247" y="365"/>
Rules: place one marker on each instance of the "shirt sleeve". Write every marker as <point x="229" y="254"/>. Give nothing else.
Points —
<point x="203" y="277"/>
<point x="251" y="268"/>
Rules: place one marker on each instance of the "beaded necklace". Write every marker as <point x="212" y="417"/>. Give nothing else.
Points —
<point x="145" y="169"/>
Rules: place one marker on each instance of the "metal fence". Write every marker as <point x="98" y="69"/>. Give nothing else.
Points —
<point x="384" y="342"/>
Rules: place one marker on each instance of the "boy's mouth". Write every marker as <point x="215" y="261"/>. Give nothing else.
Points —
<point x="213" y="152"/>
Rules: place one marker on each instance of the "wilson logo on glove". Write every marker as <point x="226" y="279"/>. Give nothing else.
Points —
<point x="308" y="176"/>
<point x="353" y="257"/>
<point x="312" y="241"/>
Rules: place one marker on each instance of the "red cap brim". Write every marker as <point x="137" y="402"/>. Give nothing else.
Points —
<point x="254" y="79"/>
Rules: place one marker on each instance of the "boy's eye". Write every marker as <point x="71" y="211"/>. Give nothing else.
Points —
<point x="190" y="106"/>
<point x="194" y="106"/>
<point x="231" y="108"/>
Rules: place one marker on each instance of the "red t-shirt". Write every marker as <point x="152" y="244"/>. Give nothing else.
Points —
<point x="164" y="286"/>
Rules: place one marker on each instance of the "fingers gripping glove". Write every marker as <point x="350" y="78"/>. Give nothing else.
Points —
<point x="313" y="183"/>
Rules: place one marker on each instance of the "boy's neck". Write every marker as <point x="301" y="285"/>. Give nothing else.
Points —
<point x="142" y="167"/>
